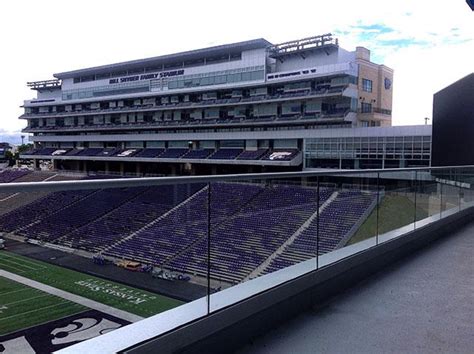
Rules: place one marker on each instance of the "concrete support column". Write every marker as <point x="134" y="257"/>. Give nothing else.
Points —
<point x="77" y="166"/>
<point x="122" y="168"/>
<point x="173" y="170"/>
<point x="138" y="169"/>
<point x="106" y="167"/>
<point x="84" y="166"/>
<point x="356" y="164"/>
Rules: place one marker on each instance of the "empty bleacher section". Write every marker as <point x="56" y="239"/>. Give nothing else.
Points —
<point x="7" y="176"/>
<point x="39" y="209"/>
<point x="172" y="233"/>
<point x="349" y="208"/>
<point x="198" y="154"/>
<point x="255" y="228"/>
<point x="130" y="217"/>
<point x="149" y="153"/>
<point x="226" y="154"/>
<point x="80" y="213"/>
<point x="245" y="238"/>
<point x="175" y="153"/>
<point x="12" y="201"/>
<point x="252" y="154"/>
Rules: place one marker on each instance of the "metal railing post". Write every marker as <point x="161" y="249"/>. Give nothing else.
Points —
<point x="416" y="192"/>
<point x="378" y="202"/>
<point x="317" y="225"/>
<point x="208" y="248"/>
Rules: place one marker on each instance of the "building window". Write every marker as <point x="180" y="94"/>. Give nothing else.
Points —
<point x="365" y="107"/>
<point x="366" y="85"/>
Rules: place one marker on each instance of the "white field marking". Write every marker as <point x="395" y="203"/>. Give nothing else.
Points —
<point x="22" y="260"/>
<point x="23" y="300"/>
<point x="92" y="304"/>
<point x="9" y="197"/>
<point x="36" y="310"/>
<point x="14" y="291"/>
<point x="49" y="178"/>
<point x="9" y="261"/>
<point x="2" y="264"/>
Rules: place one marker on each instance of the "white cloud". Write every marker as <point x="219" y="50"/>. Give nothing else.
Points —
<point x="40" y="38"/>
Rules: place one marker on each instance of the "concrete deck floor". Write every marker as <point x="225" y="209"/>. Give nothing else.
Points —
<point x="422" y="304"/>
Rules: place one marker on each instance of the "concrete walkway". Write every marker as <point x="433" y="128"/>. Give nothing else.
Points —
<point x="72" y="297"/>
<point x="422" y="304"/>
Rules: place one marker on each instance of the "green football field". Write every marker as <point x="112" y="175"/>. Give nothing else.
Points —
<point x="22" y="307"/>
<point x="136" y="301"/>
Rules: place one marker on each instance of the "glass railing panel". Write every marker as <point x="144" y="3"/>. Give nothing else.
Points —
<point x="140" y="251"/>
<point x="259" y="227"/>
<point x="349" y="216"/>
<point x="448" y="189"/>
<point x="397" y="202"/>
<point x="114" y="246"/>
<point x="465" y="177"/>
<point x="428" y="195"/>
<point x="361" y="194"/>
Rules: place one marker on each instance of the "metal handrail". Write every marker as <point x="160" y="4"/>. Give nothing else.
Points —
<point x="155" y="181"/>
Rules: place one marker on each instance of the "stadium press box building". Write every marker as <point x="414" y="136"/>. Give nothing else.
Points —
<point x="241" y="107"/>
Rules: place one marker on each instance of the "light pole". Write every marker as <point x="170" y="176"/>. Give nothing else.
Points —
<point x="426" y="120"/>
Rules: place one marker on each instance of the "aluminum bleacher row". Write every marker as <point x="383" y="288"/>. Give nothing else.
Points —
<point x="11" y="201"/>
<point x="255" y="228"/>
<point x="7" y="176"/>
<point x="173" y="153"/>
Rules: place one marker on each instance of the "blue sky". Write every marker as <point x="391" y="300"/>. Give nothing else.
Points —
<point x="428" y="43"/>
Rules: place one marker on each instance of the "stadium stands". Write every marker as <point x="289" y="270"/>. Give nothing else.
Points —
<point x="90" y="152"/>
<point x="245" y="238"/>
<point x="108" y="152"/>
<point x="81" y="212"/>
<point x="255" y="228"/>
<point x="348" y="209"/>
<point x="198" y="154"/>
<point x="252" y="154"/>
<point x="7" y="176"/>
<point x="226" y="154"/>
<point x="147" y="206"/>
<point x="173" y="153"/>
<point x="177" y="153"/>
<point x="149" y="153"/>
<point x="12" y="201"/>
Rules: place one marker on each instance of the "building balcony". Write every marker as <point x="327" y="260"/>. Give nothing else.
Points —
<point x="256" y="250"/>
<point x="236" y="101"/>
<point x="290" y="119"/>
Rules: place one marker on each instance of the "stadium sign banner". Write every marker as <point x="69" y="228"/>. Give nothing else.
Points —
<point x="160" y="75"/>
<point x="129" y="295"/>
